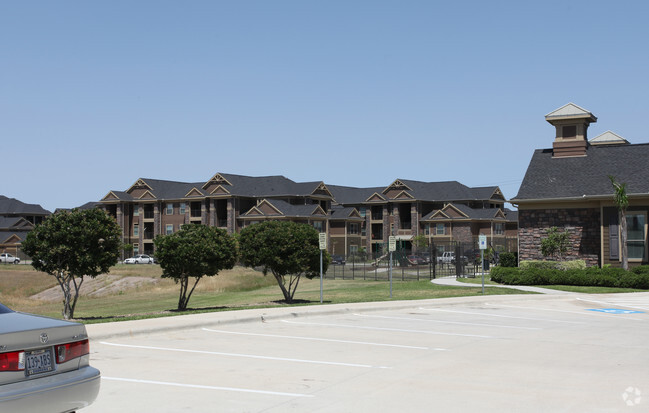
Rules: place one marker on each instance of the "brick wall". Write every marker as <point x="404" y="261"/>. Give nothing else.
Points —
<point x="582" y="224"/>
<point x="462" y="232"/>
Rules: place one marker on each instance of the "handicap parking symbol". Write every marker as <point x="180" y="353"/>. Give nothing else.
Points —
<point x="615" y="311"/>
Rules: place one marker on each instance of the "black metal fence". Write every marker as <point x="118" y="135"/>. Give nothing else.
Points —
<point x="437" y="260"/>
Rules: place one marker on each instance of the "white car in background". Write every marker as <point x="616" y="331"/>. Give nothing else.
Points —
<point x="5" y="257"/>
<point x="139" y="259"/>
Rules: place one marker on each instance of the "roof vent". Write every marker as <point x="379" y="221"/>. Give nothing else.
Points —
<point x="608" y="138"/>
<point x="571" y="123"/>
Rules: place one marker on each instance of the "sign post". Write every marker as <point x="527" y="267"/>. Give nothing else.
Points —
<point x="392" y="246"/>
<point x="323" y="246"/>
<point x="483" y="246"/>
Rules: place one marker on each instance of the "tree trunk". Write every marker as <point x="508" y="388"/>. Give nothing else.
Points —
<point x="182" y="303"/>
<point x="280" y="282"/>
<point x="623" y="237"/>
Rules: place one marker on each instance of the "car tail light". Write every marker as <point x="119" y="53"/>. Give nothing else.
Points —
<point x="67" y="352"/>
<point x="14" y="361"/>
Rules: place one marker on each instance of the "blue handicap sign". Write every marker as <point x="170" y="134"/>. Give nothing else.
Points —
<point x="615" y="311"/>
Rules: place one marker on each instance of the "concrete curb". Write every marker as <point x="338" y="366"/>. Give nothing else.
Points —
<point x="104" y="331"/>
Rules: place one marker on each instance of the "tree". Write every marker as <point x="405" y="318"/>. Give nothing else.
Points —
<point x="194" y="251"/>
<point x="286" y="249"/>
<point x="556" y="243"/>
<point x="622" y="202"/>
<point x="71" y="244"/>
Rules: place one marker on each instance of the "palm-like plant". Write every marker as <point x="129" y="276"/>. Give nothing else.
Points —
<point x="622" y="202"/>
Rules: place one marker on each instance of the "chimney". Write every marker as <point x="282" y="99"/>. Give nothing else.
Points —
<point x="571" y="123"/>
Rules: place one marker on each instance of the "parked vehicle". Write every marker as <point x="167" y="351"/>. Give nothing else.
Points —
<point x="448" y="257"/>
<point x="338" y="259"/>
<point x="139" y="259"/>
<point x="44" y="364"/>
<point x="8" y="258"/>
<point x="416" y="260"/>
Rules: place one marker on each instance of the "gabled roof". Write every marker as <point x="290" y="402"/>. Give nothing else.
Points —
<point x="15" y="224"/>
<point x="345" y="213"/>
<point x="570" y="111"/>
<point x="265" y="186"/>
<point x="13" y="237"/>
<point x="11" y="206"/>
<point x="278" y="208"/>
<point x="463" y="212"/>
<point x="608" y="138"/>
<point x="350" y="195"/>
<point x="117" y="196"/>
<point x="587" y="176"/>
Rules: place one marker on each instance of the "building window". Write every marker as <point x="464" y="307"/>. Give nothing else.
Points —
<point x="136" y="210"/>
<point x="427" y="229"/>
<point x="498" y="229"/>
<point x="169" y="229"/>
<point x="136" y="230"/>
<point x="317" y="225"/>
<point x="636" y="238"/>
<point x="136" y="249"/>
<point x="170" y="209"/>
<point x="183" y="207"/>
<point x="362" y="211"/>
<point x="440" y="229"/>
<point x="353" y="229"/>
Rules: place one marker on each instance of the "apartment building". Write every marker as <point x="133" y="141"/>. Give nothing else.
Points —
<point x="354" y="218"/>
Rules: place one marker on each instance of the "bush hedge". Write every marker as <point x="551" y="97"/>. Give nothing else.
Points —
<point x="508" y="259"/>
<point x="638" y="278"/>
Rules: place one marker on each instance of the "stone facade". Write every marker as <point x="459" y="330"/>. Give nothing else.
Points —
<point x="582" y="224"/>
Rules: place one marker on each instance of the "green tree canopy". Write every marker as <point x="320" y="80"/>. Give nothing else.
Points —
<point x="286" y="249"/>
<point x="71" y="244"/>
<point x="193" y="252"/>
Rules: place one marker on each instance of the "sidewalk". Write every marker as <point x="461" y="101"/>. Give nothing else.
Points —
<point x="452" y="281"/>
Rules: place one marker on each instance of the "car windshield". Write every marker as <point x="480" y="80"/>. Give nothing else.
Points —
<point x="4" y="309"/>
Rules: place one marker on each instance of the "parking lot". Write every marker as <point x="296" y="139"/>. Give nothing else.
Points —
<point x="532" y="353"/>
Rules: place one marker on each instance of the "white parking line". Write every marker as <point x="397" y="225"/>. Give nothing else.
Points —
<point x="620" y="302"/>
<point x="591" y="314"/>
<point x="365" y="343"/>
<point x="399" y="330"/>
<point x="216" y="353"/>
<point x="499" y="315"/>
<point x="200" y="386"/>
<point x="447" y="322"/>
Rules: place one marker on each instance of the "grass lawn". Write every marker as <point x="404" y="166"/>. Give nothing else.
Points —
<point x="110" y="297"/>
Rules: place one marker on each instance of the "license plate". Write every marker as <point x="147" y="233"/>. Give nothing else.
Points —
<point x="38" y="361"/>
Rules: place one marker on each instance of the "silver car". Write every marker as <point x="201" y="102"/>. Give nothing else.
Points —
<point x="44" y="364"/>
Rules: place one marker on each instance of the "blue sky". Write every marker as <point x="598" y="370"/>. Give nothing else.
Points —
<point x="94" y="95"/>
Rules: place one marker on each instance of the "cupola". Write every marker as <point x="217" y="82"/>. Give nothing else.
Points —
<point x="571" y="123"/>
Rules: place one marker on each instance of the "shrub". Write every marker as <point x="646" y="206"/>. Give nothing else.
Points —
<point x="643" y="269"/>
<point x="541" y="265"/>
<point x="572" y="265"/>
<point x="508" y="259"/>
<point x="535" y="274"/>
